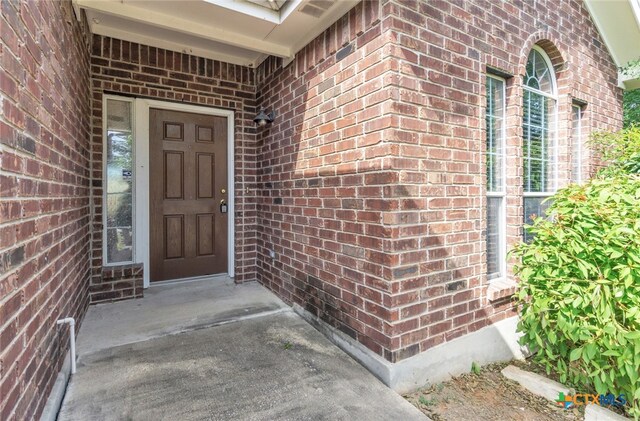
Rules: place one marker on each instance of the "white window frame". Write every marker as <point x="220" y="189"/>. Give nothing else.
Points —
<point x="105" y="141"/>
<point x="502" y="232"/>
<point x="554" y="130"/>
<point x="140" y="189"/>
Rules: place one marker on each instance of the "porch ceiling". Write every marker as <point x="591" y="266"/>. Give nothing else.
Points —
<point x="241" y="32"/>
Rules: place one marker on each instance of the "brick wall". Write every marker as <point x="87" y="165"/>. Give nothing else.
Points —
<point x="44" y="196"/>
<point x="372" y="177"/>
<point x="129" y="69"/>
<point x="441" y="241"/>
<point x="328" y="175"/>
<point x="118" y="282"/>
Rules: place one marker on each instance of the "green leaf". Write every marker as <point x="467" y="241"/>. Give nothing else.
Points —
<point x="633" y="335"/>
<point x="631" y="372"/>
<point x="590" y="350"/>
<point x="575" y="354"/>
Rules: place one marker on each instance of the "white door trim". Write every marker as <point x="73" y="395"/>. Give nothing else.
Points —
<point x="141" y="174"/>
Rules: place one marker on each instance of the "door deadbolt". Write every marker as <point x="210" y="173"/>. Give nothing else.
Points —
<point x="223" y="191"/>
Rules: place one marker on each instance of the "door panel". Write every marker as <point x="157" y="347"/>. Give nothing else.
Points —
<point x="173" y="131"/>
<point x="174" y="236"/>
<point x="206" y="234"/>
<point x="206" y="180"/>
<point x="205" y="134"/>
<point x="188" y="169"/>
<point x="173" y="175"/>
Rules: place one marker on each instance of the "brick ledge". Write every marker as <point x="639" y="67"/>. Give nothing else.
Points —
<point x="501" y="288"/>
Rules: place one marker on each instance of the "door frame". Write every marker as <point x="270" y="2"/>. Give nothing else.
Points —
<point x="141" y="174"/>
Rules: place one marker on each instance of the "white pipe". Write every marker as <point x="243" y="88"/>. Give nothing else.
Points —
<point x="72" y="340"/>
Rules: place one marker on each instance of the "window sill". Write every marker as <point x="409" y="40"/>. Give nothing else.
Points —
<point x="501" y="288"/>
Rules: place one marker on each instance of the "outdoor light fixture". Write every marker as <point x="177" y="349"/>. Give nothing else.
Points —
<point x="262" y="119"/>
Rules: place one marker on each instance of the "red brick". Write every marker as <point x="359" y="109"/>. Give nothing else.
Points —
<point x="44" y="155"/>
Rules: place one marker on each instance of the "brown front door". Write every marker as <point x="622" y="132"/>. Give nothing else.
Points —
<point x="188" y="171"/>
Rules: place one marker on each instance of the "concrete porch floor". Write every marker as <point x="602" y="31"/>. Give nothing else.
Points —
<point x="215" y="350"/>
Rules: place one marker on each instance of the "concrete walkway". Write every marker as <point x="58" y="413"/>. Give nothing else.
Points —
<point x="218" y="351"/>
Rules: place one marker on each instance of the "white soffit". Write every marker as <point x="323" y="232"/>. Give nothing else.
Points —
<point x="241" y="32"/>
<point x="113" y="26"/>
<point x="618" y="22"/>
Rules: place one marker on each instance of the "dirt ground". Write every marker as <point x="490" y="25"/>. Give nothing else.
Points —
<point x="487" y="396"/>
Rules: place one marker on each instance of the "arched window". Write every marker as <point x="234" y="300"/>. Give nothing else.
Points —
<point x="539" y="122"/>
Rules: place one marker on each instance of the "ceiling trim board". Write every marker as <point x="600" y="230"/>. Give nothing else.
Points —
<point x="289" y="7"/>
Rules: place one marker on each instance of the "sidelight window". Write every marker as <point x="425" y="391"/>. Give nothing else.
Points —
<point x="495" y="170"/>
<point x="118" y="181"/>
<point x="576" y="143"/>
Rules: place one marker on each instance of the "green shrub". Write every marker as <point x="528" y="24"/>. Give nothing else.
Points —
<point x="631" y="107"/>
<point x="621" y="149"/>
<point x="579" y="288"/>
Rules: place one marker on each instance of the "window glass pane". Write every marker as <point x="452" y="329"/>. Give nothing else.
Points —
<point x="538" y="147"/>
<point x="539" y="154"/>
<point x="495" y="134"/>
<point x="533" y="207"/>
<point x="538" y="74"/>
<point x="119" y="182"/>
<point x="576" y="144"/>
<point x="494" y="250"/>
<point x="495" y="183"/>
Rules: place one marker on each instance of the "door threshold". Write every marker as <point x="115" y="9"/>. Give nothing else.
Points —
<point x="215" y="277"/>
